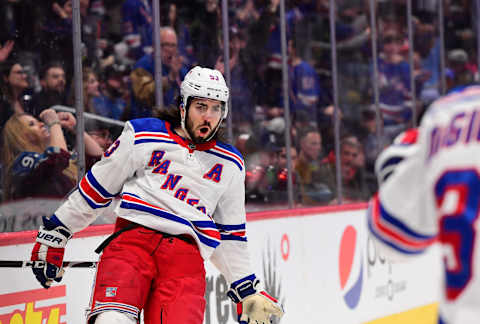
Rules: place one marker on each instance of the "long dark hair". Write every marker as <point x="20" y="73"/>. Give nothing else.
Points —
<point x="171" y="114"/>
<point x="5" y="88"/>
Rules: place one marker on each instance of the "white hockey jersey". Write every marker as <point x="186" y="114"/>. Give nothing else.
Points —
<point x="173" y="186"/>
<point x="430" y="190"/>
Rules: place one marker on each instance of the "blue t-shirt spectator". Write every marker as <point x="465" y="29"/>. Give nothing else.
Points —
<point x="305" y="87"/>
<point x="109" y="107"/>
<point x="137" y="25"/>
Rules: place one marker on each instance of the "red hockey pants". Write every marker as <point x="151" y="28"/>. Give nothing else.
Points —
<point x="144" y="269"/>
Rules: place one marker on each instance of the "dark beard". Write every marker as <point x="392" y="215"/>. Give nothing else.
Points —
<point x="195" y="139"/>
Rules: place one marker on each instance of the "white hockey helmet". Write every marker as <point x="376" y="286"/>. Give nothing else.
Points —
<point x="204" y="83"/>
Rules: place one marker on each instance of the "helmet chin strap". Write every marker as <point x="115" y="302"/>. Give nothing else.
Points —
<point x="182" y="122"/>
<point x="214" y="131"/>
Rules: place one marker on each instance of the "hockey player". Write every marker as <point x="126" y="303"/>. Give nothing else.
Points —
<point x="429" y="191"/>
<point x="182" y="202"/>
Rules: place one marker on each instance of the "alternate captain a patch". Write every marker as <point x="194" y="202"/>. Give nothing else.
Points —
<point x="215" y="173"/>
<point x="111" y="291"/>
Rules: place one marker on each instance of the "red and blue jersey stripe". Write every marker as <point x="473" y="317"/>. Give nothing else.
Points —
<point x="153" y="137"/>
<point x="227" y="152"/>
<point x="206" y="231"/>
<point x="232" y="232"/>
<point x="393" y="232"/>
<point x="112" y="306"/>
<point x="93" y="192"/>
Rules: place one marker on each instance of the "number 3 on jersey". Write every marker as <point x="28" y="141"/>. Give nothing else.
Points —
<point x="457" y="225"/>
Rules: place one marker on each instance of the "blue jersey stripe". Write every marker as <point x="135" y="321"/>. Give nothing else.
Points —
<point x="148" y="125"/>
<point x="390" y="243"/>
<point x="229" y="237"/>
<point x="226" y="157"/>
<point x="92" y="203"/>
<point x="98" y="186"/>
<point x="205" y="224"/>
<point x="387" y="217"/>
<point x="152" y="140"/>
<point x="391" y="161"/>
<point x="205" y="240"/>
<point x="230" y="148"/>
<point x="231" y="227"/>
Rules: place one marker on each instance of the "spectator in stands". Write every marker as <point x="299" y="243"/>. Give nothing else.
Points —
<point x="99" y="131"/>
<point x="13" y="84"/>
<point x="53" y="81"/>
<point x="138" y="27"/>
<point x="282" y="157"/>
<point x="270" y="130"/>
<point x="352" y="165"/>
<point x="205" y="33"/>
<point x="36" y="160"/>
<point x="458" y="72"/>
<point x="394" y="83"/>
<point x="95" y="101"/>
<point x="242" y="71"/>
<point x="111" y="102"/>
<point x="35" y="157"/>
<point x="326" y="122"/>
<point x="94" y="38"/>
<point x="367" y="134"/>
<point x="261" y="174"/>
<point x="315" y="178"/>
<point x="427" y="47"/>
<point x="19" y="23"/>
<point x="55" y="42"/>
<point x="172" y="19"/>
<point x="56" y="34"/>
<point x="458" y="20"/>
<point x="306" y="93"/>
<point x="91" y="90"/>
<point x="143" y="85"/>
<point x="278" y="192"/>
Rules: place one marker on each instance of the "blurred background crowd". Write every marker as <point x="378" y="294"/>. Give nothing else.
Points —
<point x="38" y="155"/>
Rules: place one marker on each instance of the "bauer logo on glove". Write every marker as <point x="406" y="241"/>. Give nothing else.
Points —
<point x="48" y="251"/>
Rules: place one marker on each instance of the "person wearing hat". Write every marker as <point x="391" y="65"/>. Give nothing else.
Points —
<point x="458" y="71"/>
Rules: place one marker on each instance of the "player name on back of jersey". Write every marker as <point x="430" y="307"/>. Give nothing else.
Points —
<point x="462" y="129"/>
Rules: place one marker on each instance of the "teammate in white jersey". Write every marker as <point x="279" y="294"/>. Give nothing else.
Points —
<point x="182" y="202"/>
<point x="430" y="191"/>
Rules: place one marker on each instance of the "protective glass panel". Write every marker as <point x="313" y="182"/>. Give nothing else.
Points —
<point x="257" y="108"/>
<point x="311" y="103"/>
<point x="357" y="131"/>
<point x="39" y="157"/>
<point x="38" y="165"/>
<point x="427" y="54"/>
<point x="111" y="44"/>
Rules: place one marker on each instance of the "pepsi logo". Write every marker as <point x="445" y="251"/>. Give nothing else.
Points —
<point x="350" y="267"/>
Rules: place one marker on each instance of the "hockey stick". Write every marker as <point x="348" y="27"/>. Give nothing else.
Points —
<point x="36" y="264"/>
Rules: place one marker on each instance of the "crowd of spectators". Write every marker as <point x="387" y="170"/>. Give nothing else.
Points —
<point x="36" y="73"/>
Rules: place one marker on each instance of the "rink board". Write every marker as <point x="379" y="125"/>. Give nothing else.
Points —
<point x="319" y="262"/>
